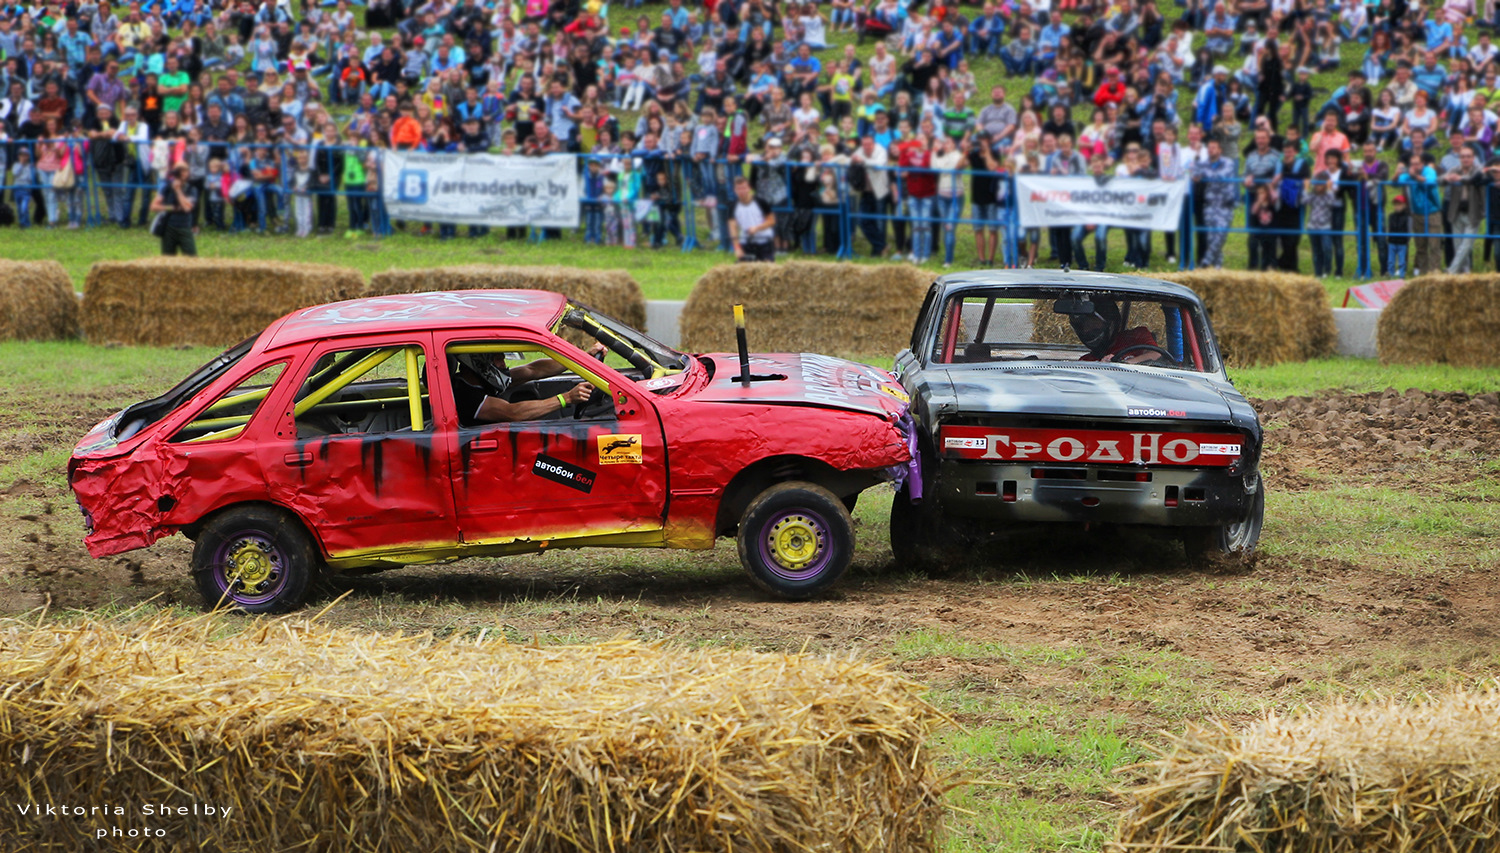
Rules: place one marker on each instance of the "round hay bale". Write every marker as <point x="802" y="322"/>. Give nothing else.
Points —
<point x="1446" y="319"/>
<point x="202" y="301"/>
<point x="806" y="306"/>
<point x="1346" y="778"/>
<point x="37" y="302"/>
<point x="614" y="292"/>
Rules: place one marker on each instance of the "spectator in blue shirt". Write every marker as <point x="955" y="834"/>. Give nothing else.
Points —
<point x="950" y="45"/>
<point x="1051" y="39"/>
<point x="985" y="32"/>
<point x="1439" y="35"/>
<point x="805" y="72"/>
<point x="1430" y="77"/>
<point x="75" y="45"/>
<point x="1019" y="55"/>
<point x="679" y="15"/>
<point x="1219" y="28"/>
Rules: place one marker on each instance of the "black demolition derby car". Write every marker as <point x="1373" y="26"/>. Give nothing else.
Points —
<point x="1077" y="398"/>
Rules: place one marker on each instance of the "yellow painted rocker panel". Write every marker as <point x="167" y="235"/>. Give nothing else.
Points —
<point x="416" y="553"/>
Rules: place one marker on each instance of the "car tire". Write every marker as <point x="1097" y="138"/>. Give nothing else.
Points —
<point x="1234" y="541"/>
<point x="917" y="541"/>
<point x="256" y="558"/>
<point x="796" y="539"/>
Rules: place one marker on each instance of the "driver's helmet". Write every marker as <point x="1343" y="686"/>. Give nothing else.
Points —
<point x="489" y="368"/>
<point x="1099" y="329"/>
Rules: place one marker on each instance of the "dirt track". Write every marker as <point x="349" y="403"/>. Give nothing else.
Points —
<point x="1283" y="613"/>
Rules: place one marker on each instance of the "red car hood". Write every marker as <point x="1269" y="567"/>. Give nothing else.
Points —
<point x="805" y="380"/>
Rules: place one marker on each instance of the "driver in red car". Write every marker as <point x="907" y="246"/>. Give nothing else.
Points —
<point x="1104" y="334"/>
<point x="482" y="383"/>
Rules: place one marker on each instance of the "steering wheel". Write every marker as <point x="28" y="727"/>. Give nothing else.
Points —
<point x="595" y="395"/>
<point x="1152" y="347"/>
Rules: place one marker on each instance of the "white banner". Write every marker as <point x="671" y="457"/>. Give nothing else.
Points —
<point x="481" y="189"/>
<point x="1048" y="201"/>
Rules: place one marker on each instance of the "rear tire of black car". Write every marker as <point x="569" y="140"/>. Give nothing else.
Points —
<point x="1233" y="541"/>
<point x="796" y="539"/>
<point x="920" y="541"/>
<point x="254" y="558"/>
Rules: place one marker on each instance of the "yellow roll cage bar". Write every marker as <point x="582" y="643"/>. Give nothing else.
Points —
<point x="231" y="427"/>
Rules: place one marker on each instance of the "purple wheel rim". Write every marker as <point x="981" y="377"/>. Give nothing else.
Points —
<point x="231" y="589"/>
<point x="820" y="559"/>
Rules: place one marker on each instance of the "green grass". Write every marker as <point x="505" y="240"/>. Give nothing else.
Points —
<point x="1359" y="375"/>
<point x="1424" y="531"/>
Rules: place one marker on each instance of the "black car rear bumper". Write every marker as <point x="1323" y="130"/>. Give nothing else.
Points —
<point x="1173" y="497"/>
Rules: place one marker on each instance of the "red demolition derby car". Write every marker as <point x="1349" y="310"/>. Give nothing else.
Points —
<point x="354" y="436"/>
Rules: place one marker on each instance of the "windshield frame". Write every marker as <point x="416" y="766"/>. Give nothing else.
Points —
<point x="942" y="318"/>
<point x="664" y="360"/>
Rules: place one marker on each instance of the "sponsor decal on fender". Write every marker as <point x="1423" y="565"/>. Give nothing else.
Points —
<point x="897" y="392"/>
<point x="620" y="449"/>
<point x="1000" y="444"/>
<point x="558" y="471"/>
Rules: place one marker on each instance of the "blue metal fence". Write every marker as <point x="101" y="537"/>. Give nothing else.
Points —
<point x="690" y="202"/>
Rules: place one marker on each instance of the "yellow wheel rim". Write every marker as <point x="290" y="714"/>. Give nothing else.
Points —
<point x="795" y="541"/>
<point x="250" y="564"/>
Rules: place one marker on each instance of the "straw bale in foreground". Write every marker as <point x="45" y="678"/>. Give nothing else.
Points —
<point x="37" y="302"/>
<point x="615" y="292"/>
<point x="332" y="740"/>
<point x="806" y="306"/>
<point x="1264" y="317"/>
<point x="1453" y="319"/>
<point x="170" y="301"/>
<point x="1349" y="777"/>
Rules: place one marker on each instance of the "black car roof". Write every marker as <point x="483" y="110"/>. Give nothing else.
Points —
<point x="955" y="282"/>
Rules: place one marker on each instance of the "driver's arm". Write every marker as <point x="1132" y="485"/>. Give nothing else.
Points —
<point x="542" y="368"/>
<point x="496" y="410"/>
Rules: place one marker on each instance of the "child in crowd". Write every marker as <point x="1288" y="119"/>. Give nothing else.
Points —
<point x="213" y="195"/>
<point x="1398" y="226"/>
<point x="592" y="203"/>
<point x="22" y="178"/>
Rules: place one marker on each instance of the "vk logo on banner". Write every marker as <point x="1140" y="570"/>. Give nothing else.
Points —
<point x="411" y="186"/>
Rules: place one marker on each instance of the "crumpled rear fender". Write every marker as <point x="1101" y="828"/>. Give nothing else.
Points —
<point x="132" y="501"/>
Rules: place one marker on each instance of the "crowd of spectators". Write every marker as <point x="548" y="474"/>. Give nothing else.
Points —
<point x="228" y="114"/>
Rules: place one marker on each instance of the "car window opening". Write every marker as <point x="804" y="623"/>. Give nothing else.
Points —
<point x="228" y="416"/>
<point x="519" y="374"/>
<point x="364" y="391"/>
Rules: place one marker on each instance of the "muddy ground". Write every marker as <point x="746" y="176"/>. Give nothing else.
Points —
<point x="1289" y="614"/>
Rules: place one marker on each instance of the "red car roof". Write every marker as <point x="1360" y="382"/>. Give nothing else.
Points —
<point x="533" y="309"/>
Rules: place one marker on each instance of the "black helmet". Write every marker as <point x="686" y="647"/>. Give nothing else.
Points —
<point x="488" y="368"/>
<point x="1099" y="329"/>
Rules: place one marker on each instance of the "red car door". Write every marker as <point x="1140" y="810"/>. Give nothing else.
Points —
<point x="557" y="478"/>
<point x="349" y="459"/>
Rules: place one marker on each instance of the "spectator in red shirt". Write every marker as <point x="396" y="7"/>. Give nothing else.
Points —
<point x="1112" y="90"/>
<point x="921" y="190"/>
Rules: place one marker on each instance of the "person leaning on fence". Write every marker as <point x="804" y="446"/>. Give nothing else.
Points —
<point x="752" y="225"/>
<point x="1221" y="191"/>
<point x="1465" y="206"/>
<point x="1421" y="181"/>
<point x="174" y="203"/>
